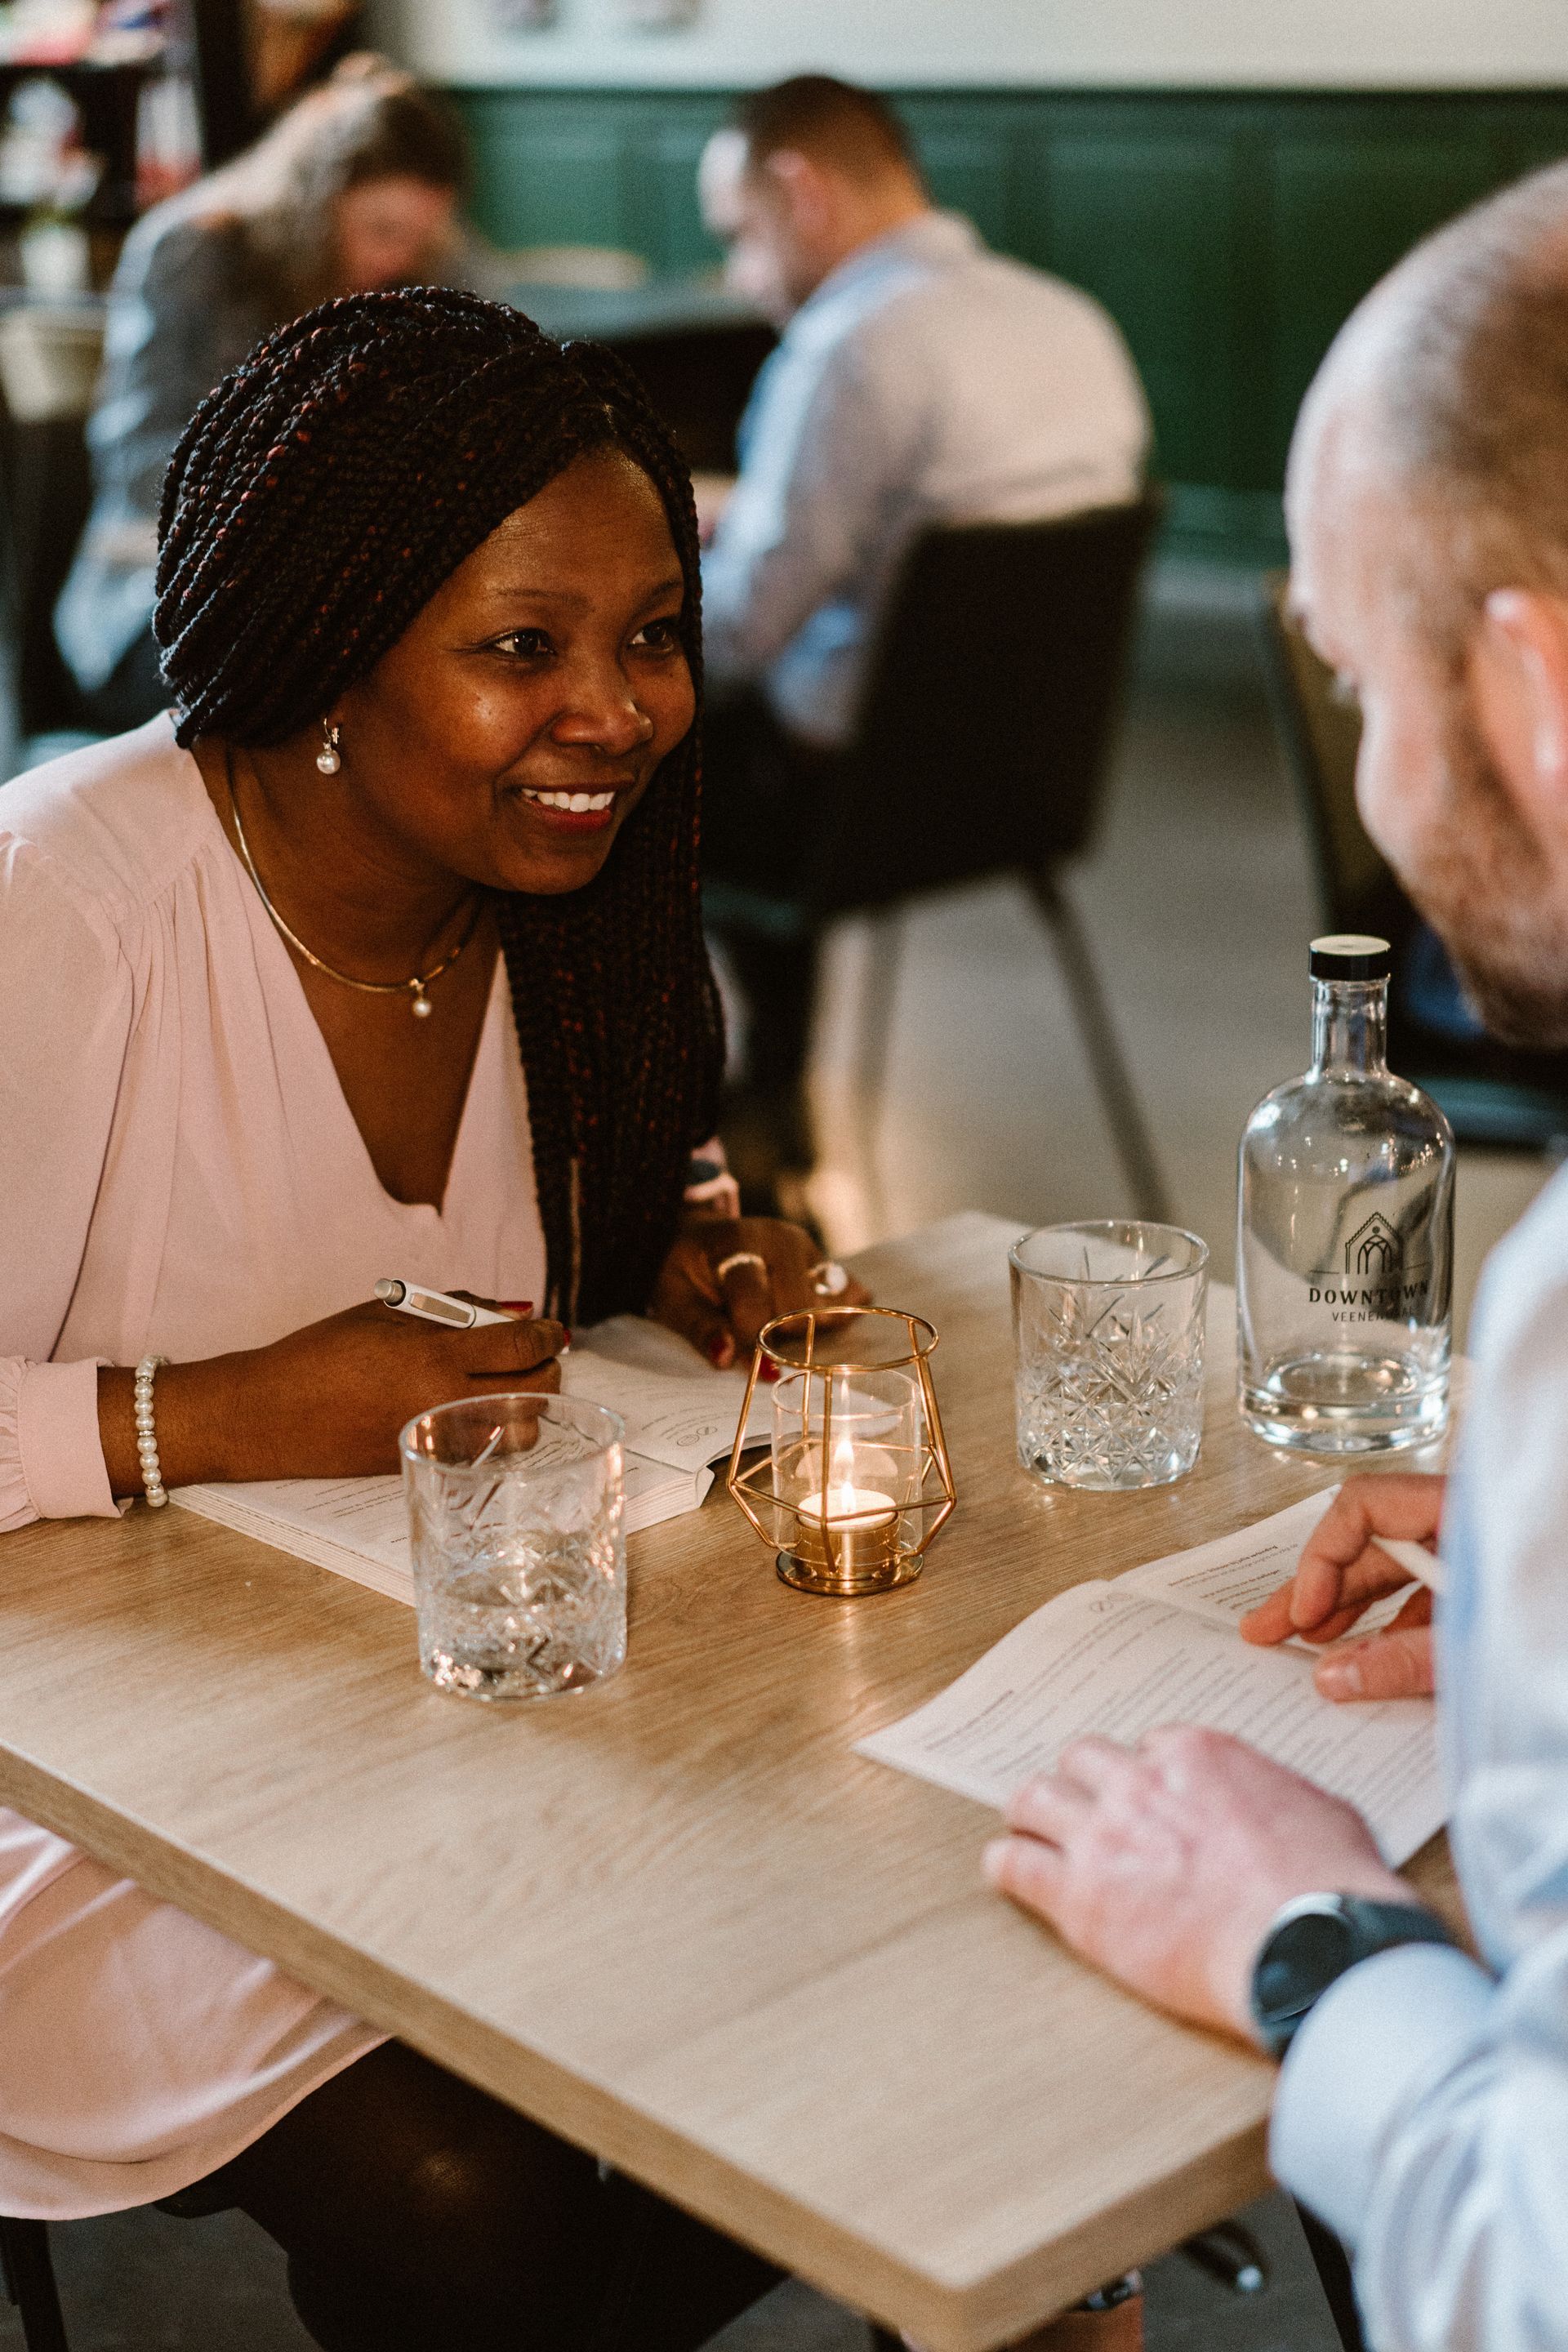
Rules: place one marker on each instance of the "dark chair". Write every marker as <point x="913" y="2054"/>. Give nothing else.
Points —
<point x="28" y="2278"/>
<point x="1493" y="1094"/>
<point x="46" y="489"/>
<point x="982" y="750"/>
<point x="1332" y="2266"/>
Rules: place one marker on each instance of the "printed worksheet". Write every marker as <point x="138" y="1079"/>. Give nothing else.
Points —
<point x="1159" y="1645"/>
<point x="1223" y="1580"/>
<point x="680" y="1417"/>
<point x="676" y="1409"/>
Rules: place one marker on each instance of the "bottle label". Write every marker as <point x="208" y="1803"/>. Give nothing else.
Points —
<point x="1385" y="1278"/>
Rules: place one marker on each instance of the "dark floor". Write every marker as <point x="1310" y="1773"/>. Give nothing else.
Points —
<point x="142" y="2282"/>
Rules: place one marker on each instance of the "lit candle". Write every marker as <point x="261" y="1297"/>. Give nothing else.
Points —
<point x="844" y="1506"/>
<point x="848" y="1507"/>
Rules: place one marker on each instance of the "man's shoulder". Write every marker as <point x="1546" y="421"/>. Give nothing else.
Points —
<point x="984" y="298"/>
<point x="1524" y="1291"/>
<point x="1537" y="1246"/>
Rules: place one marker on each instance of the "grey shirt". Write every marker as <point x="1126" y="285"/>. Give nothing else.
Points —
<point x="927" y="380"/>
<point x="186" y="304"/>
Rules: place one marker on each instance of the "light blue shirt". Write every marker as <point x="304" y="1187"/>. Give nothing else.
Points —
<point x="1423" y="2110"/>
<point x="927" y="380"/>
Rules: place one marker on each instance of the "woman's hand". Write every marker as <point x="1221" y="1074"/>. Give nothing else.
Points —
<point x="1341" y="1571"/>
<point x="768" y="1272"/>
<point x="324" y="1402"/>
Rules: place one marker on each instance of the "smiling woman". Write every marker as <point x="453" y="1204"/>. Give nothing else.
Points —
<point x="429" y="612"/>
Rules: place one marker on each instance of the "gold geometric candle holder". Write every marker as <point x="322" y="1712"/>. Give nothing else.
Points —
<point x="857" y="1479"/>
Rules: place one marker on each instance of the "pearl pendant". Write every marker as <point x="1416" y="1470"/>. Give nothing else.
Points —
<point x="423" y="1008"/>
<point x="328" y="762"/>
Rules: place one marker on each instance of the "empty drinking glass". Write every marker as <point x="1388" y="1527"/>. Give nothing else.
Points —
<point x="515" y="1507"/>
<point x="1108" y="1323"/>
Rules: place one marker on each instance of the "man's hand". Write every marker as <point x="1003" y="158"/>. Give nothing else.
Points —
<point x="1164" y="1864"/>
<point x="1341" y="1571"/>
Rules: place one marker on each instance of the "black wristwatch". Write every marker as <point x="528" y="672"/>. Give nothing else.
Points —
<point x="1313" y="1941"/>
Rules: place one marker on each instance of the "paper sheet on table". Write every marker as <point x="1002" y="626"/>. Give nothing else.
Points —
<point x="1120" y="1659"/>
<point x="680" y="1416"/>
<point x="676" y="1409"/>
<point x="1221" y="1581"/>
<point x="359" y="1527"/>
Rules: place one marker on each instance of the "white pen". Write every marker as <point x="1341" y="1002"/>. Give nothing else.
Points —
<point x="1415" y="1559"/>
<point x="436" y="1305"/>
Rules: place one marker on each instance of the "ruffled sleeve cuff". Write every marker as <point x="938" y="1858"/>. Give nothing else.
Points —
<point x="51" y="1457"/>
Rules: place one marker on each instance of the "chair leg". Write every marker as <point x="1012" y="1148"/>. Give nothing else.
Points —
<point x="1331" y="2263"/>
<point x="1230" y="2254"/>
<point x="1118" y="1096"/>
<point x="30" y="2283"/>
<point x="884" y="947"/>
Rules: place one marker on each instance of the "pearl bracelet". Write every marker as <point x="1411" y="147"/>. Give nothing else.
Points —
<point x="146" y="1434"/>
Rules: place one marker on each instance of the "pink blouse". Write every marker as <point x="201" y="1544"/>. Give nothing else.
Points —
<point x="179" y="1174"/>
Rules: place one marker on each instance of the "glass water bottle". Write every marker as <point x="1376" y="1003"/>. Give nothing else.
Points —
<point x="1344" y="1246"/>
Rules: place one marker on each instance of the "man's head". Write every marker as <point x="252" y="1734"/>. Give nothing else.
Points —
<point x="804" y="174"/>
<point x="1428" y="500"/>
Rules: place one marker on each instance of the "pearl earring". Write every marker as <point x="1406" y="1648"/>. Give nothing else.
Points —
<point x="329" y="758"/>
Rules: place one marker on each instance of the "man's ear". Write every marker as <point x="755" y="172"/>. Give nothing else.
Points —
<point x="1519" y="666"/>
<point x="805" y="187"/>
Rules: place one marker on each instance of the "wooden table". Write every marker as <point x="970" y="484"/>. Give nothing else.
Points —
<point x="677" y="1920"/>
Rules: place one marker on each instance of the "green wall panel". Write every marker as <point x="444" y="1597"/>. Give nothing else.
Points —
<point x="1230" y="232"/>
<point x="1145" y="226"/>
<point x="1528" y="136"/>
<point x="1343" y="210"/>
<point x="675" y="238"/>
<point x="969" y="163"/>
<point x="556" y="176"/>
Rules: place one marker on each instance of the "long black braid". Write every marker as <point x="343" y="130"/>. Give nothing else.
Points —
<point x="319" y="497"/>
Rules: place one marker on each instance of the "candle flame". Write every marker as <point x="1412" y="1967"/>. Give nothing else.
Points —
<point x="842" y="1474"/>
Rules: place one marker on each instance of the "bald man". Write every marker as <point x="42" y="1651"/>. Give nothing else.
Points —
<point x="1423" y="2106"/>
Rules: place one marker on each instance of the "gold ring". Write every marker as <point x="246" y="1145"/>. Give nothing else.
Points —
<point x="739" y="1257"/>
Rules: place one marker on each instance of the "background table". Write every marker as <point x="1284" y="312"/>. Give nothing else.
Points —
<point x="677" y="1920"/>
<point x="695" y="345"/>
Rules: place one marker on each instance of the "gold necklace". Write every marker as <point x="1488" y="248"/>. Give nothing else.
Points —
<point x="421" y="1007"/>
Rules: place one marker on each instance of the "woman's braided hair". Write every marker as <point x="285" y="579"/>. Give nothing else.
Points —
<point x="317" y="498"/>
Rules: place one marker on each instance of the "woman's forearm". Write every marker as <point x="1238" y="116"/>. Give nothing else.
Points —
<point x="327" y="1401"/>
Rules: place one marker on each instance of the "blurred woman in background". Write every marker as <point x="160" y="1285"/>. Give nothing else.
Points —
<point x="355" y="188"/>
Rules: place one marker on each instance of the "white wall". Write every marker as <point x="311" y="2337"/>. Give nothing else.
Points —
<point x="1315" y="43"/>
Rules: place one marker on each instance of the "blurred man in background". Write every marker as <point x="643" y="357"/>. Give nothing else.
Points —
<point x="920" y="379"/>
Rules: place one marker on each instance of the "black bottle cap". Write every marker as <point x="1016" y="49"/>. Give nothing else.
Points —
<point x="1351" y="955"/>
